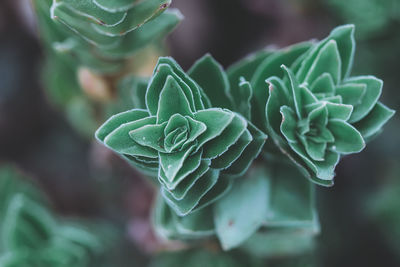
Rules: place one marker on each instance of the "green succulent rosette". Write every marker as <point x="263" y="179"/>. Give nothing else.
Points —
<point x="193" y="148"/>
<point x="311" y="131"/>
<point x="316" y="111"/>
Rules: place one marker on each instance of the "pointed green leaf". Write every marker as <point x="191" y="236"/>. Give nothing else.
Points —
<point x="172" y="93"/>
<point x="120" y="141"/>
<point x="289" y="124"/>
<point x="171" y="163"/>
<point x="184" y="79"/>
<point x="181" y="189"/>
<point x="371" y="96"/>
<point x="209" y="74"/>
<point x="190" y="167"/>
<point x="234" y="220"/>
<point x="375" y="120"/>
<point x="150" y="136"/>
<point x="352" y="94"/>
<point x="240" y="166"/>
<point x="233" y="153"/>
<point x="191" y="200"/>
<point x="136" y="16"/>
<point x="347" y="138"/>
<point x="216" y="120"/>
<point x="339" y="111"/>
<point x="117" y="120"/>
<point x="226" y="139"/>
<point x="327" y="61"/>
<point x="323" y="84"/>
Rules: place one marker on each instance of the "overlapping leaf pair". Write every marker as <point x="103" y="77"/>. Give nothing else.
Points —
<point x="316" y="112"/>
<point x="191" y="146"/>
<point x="261" y="209"/>
<point x="104" y="33"/>
<point x="30" y="236"/>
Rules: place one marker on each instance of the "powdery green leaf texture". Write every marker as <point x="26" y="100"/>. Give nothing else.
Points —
<point x="102" y="37"/>
<point x="279" y="199"/>
<point x="190" y="143"/>
<point x="314" y="110"/>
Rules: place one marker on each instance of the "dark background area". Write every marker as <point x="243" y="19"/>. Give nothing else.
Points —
<point x="35" y="136"/>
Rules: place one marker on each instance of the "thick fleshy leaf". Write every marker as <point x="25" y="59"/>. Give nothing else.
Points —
<point x="117" y="120"/>
<point x="223" y="186"/>
<point x="344" y="36"/>
<point x="315" y="150"/>
<point x="216" y="121"/>
<point x="87" y="9"/>
<point x="153" y="30"/>
<point x="352" y="94"/>
<point x="323" y="84"/>
<point x="135" y="17"/>
<point x="289" y="124"/>
<point x="240" y="166"/>
<point x="339" y="111"/>
<point x="209" y="74"/>
<point x="292" y="198"/>
<point x="181" y="189"/>
<point x="271" y="66"/>
<point x="115" y="5"/>
<point x="327" y="61"/>
<point x="301" y="95"/>
<point x="120" y="141"/>
<point x="191" y="200"/>
<point x="184" y="79"/>
<point x="371" y="96"/>
<point x="227" y="138"/>
<point x="347" y="138"/>
<point x="374" y="121"/>
<point x="235" y="221"/>
<point x="278" y="96"/>
<point x="150" y="136"/>
<point x="171" y="163"/>
<point x="191" y="165"/>
<point x="243" y="102"/>
<point x="233" y="153"/>
<point x="157" y="83"/>
<point x="172" y="93"/>
<point x="197" y="224"/>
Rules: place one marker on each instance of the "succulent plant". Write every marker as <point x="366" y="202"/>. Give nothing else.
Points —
<point x="282" y="210"/>
<point x="189" y="145"/>
<point x="317" y="112"/>
<point x="31" y="236"/>
<point x="91" y="44"/>
<point x="102" y="34"/>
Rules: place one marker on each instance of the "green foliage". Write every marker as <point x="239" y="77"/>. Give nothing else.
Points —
<point x="191" y="146"/>
<point x="199" y="132"/>
<point x="107" y="41"/>
<point x="315" y="112"/>
<point x="99" y="37"/>
<point x="31" y="236"/>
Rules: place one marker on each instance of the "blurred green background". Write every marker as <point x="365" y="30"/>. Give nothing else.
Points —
<point x="360" y="215"/>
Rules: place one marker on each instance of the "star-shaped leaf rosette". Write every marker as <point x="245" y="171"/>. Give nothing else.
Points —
<point x="193" y="148"/>
<point x="314" y="110"/>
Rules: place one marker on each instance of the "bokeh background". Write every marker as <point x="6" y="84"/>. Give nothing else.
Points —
<point x="360" y="215"/>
